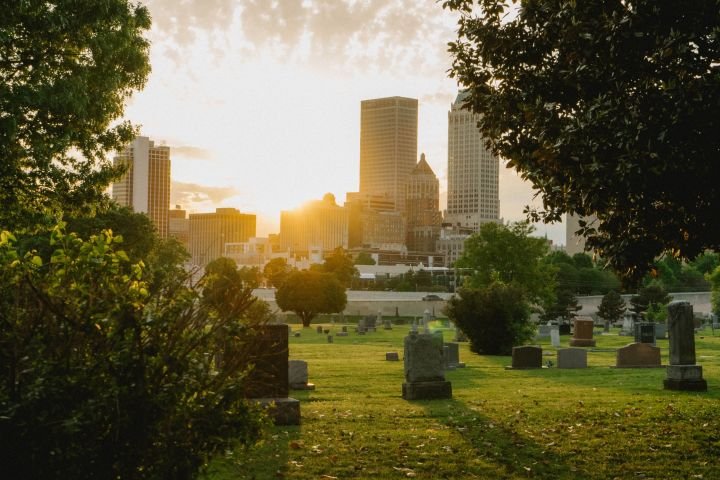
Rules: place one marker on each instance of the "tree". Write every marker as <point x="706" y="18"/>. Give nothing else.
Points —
<point x="714" y="279"/>
<point x="509" y="255"/>
<point x="66" y="71"/>
<point x="495" y="318"/>
<point x="105" y="376"/>
<point x="609" y="108"/>
<point x="563" y="306"/>
<point x="308" y="294"/>
<point x="612" y="306"/>
<point x="276" y="271"/>
<point x="650" y="297"/>
<point x="364" y="258"/>
<point x="340" y="264"/>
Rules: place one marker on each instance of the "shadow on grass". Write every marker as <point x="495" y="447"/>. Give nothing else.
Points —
<point x="503" y="451"/>
<point x="269" y="458"/>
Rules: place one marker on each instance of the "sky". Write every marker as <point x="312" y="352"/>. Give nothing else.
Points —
<point x="259" y="100"/>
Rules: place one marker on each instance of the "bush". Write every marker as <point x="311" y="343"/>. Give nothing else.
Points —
<point x="495" y="318"/>
<point x="107" y="376"/>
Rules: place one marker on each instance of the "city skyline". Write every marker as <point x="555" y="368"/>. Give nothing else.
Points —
<point x="263" y="111"/>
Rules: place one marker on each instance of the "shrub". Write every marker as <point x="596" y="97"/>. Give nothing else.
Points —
<point x="105" y="377"/>
<point x="495" y="318"/>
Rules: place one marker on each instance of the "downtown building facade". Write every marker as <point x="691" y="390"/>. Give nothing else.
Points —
<point x="473" y="172"/>
<point x="388" y="147"/>
<point x="145" y="186"/>
<point x="422" y="208"/>
<point x="317" y="227"/>
<point x="209" y="233"/>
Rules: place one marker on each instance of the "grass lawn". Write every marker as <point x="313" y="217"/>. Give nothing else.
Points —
<point x="595" y="423"/>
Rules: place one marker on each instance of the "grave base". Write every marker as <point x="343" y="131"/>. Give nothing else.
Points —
<point x="426" y="390"/>
<point x="686" y="378"/>
<point x="582" y="342"/>
<point x="685" y="385"/>
<point x="302" y="386"/>
<point x="283" y="411"/>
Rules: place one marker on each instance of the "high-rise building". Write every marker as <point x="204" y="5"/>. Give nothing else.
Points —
<point x="373" y="222"/>
<point x="320" y="225"/>
<point x="210" y="232"/>
<point x="388" y="146"/>
<point x="422" y="208"/>
<point x="179" y="226"/>
<point x="473" y="171"/>
<point x="145" y="187"/>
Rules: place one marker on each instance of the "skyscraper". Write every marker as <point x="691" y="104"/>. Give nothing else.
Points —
<point x="422" y="208"/>
<point x="211" y="232"/>
<point x="318" y="225"/>
<point x="145" y="187"/>
<point x="473" y="171"/>
<point x="388" y="146"/>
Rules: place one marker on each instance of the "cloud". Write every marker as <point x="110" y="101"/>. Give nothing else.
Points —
<point x="364" y="34"/>
<point x="192" y="196"/>
<point x="190" y="151"/>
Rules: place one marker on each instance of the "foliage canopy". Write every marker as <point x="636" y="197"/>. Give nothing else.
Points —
<point x="495" y="318"/>
<point x="509" y="255"/>
<point x="309" y="293"/>
<point x="609" y="108"/>
<point x="66" y="71"/>
<point x="107" y="376"/>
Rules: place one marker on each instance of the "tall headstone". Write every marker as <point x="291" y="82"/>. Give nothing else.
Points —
<point x="555" y="336"/>
<point x="424" y="372"/>
<point x="682" y="373"/>
<point x="583" y="335"/>
<point x="426" y="321"/>
<point x="267" y="383"/>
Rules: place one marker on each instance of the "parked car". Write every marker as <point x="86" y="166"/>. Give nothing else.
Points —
<point x="432" y="298"/>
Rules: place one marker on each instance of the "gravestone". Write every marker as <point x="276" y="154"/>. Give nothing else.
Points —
<point x="453" y="355"/>
<point x="638" y="355"/>
<point x="645" y="332"/>
<point x="572" y="358"/>
<point x="369" y="322"/>
<point x="583" y="335"/>
<point x="344" y="328"/>
<point x="526" y="357"/>
<point x="460" y="335"/>
<point x="341" y="334"/>
<point x="628" y="326"/>
<point x="392" y="356"/>
<point x="330" y="339"/>
<point x="361" y="325"/>
<point x="555" y="336"/>
<point x="543" y="331"/>
<point x="424" y="373"/>
<point x="326" y="331"/>
<point x="426" y="321"/>
<point x="319" y="329"/>
<point x="267" y="383"/>
<point x="683" y="373"/>
<point x="296" y="334"/>
<point x="298" y="375"/>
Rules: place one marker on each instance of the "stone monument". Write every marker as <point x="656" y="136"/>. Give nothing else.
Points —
<point x="638" y="355"/>
<point x="645" y="332"/>
<point x="583" y="336"/>
<point x="526" y="357"/>
<point x="683" y="373"/>
<point x="572" y="358"/>
<point x="555" y="336"/>
<point x="452" y="355"/>
<point x="268" y="383"/>
<point x="424" y="373"/>
<point x="298" y="375"/>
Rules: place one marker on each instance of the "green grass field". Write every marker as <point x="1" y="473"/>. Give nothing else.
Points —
<point x="595" y="423"/>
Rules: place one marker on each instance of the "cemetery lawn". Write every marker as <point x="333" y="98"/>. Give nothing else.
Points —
<point x="595" y="423"/>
